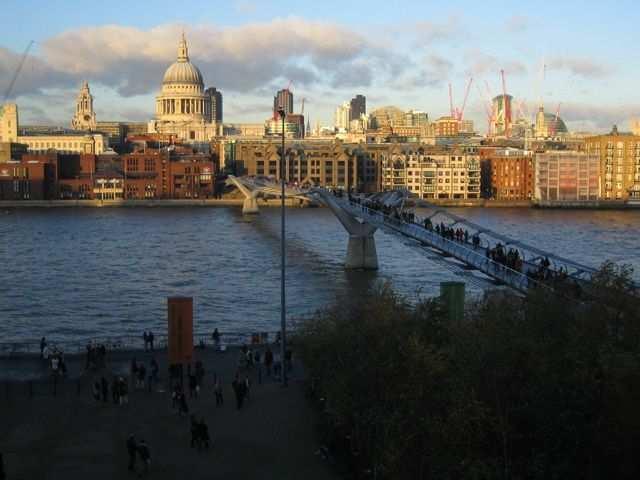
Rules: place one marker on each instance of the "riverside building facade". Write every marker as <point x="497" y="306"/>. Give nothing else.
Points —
<point x="567" y="177"/>
<point x="619" y="158"/>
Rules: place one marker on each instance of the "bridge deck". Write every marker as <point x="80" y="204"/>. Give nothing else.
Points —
<point x="464" y="252"/>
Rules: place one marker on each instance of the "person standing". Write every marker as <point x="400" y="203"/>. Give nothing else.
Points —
<point x="104" y="387"/>
<point x="145" y="457"/>
<point x="43" y="344"/>
<point x="215" y="336"/>
<point x="132" y="449"/>
<point x="123" y="391"/>
<point x="150" y="337"/>
<point x="154" y="369"/>
<point x="115" y="394"/>
<point x="217" y="389"/>
<point x="268" y="360"/>
<point x="145" y="337"/>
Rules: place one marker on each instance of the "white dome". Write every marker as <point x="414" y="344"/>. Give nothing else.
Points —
<point x="183" y="72"/>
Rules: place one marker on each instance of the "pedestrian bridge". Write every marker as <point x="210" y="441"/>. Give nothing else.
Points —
<point x="445" y="237"/>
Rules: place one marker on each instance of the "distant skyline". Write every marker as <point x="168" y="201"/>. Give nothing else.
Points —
<point x="331" y="51"/>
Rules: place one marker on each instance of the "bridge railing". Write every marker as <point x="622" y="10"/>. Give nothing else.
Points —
<point x="475" y="257"/>
<point x="132" y="342"/>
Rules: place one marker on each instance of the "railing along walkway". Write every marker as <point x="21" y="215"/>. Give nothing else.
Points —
<point x="464" y="252"/>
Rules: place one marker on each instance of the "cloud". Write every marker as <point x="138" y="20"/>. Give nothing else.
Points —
<point x="240" y="58"/>
<point x="598" y="116"/>
<point x="427" y="31"/>
<point x="480" y="63"/>
<point x="36" y="74"/>
<point x="580" y="66"/>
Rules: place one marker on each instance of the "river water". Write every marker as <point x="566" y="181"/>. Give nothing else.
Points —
<point x="78" y="273"/>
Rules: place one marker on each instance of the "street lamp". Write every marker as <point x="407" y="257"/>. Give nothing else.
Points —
<point x="283" y="318"/>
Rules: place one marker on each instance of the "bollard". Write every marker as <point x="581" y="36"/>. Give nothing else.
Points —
<point x="452" y="298"/>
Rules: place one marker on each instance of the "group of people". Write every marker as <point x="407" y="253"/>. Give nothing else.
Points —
<point x="148" y="340"/>
<point x="139" y="373"/>
<point x="54" y="357"/>
<point x="96" y="356"/>
<point x="199" y="433"/>
<point x="510" y="258"/>
<point x="119" y="390"/>
<point x="137" y="449"/>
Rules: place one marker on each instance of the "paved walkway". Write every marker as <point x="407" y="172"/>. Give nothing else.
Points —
<point x="69" y="435"/>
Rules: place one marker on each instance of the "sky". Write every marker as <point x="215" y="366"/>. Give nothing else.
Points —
<point x="576" y="56"/>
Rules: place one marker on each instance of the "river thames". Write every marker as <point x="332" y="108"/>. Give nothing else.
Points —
<point x="79" y="273"/>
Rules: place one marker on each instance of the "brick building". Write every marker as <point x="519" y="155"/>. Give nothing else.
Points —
<point x="31" y="178"/>
<point x="510" y="176"/>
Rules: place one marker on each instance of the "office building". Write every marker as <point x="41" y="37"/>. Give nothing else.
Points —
<point x="562" y="176"/>
<point x="216" y="104"/>
<point x="358" y="106"/>
<point x="284" y="100"/>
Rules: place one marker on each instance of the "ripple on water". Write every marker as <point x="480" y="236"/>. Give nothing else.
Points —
<point x="101" y="273"/>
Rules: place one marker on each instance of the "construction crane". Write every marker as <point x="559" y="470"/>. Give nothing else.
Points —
<point x="506" y="107"/>
<point x="7" y="92"/>
<point x="453" y="113"/>
<point x="460" y="113"/>
<point x="491" y="108"/>
<point x="554" y="128"/>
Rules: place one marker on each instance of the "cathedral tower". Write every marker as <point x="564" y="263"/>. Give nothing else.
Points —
<point x="85" y="117"/>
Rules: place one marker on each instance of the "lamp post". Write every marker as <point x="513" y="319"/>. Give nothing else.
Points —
<point x="283" y="317"/>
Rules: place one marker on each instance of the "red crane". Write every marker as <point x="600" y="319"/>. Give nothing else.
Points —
<point x="460" y="113"/>
<point x="453" y="113"/>
<point x="506" y="107"/>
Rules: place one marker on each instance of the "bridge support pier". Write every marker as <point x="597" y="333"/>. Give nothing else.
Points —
<point x="250" y="205"/>
<point x="361" y="252"/>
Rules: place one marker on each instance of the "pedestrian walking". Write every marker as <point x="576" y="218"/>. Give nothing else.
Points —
<point x="115" y="394"/>
<point x="95" y="391"/>
<point x="132" y="449"/>
<point x="154" y="369"/>
<point x="268" y="361"/>
<point x="247" y="388"/>
<point x="239" y="389"/>
<point x="104" y="387"/>
<point x="123" y="390"/>
<point x="193" y="386"/>
<point x="145" y="337"/>
<point x="43" y="344"/>
<point x="217" y="389"/>
<point x="142" y="373"/>
<point x="150" y="338"/>
<point x="183" y="407"/>
<point x="204" y="434"/>
<point x="145" y="457"/>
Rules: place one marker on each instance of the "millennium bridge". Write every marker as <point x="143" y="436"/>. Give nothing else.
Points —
<point x="451" y="240"/>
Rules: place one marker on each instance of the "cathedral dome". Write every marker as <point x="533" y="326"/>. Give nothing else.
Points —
<point x="183" y="71"/>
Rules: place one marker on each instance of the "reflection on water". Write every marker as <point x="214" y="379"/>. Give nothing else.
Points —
<point x="78" y="273"/>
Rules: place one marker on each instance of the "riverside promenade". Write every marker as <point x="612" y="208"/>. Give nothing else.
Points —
<point x="59" y="431"/>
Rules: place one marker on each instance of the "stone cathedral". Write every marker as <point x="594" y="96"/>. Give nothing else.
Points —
<point x="183" y="108"/>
